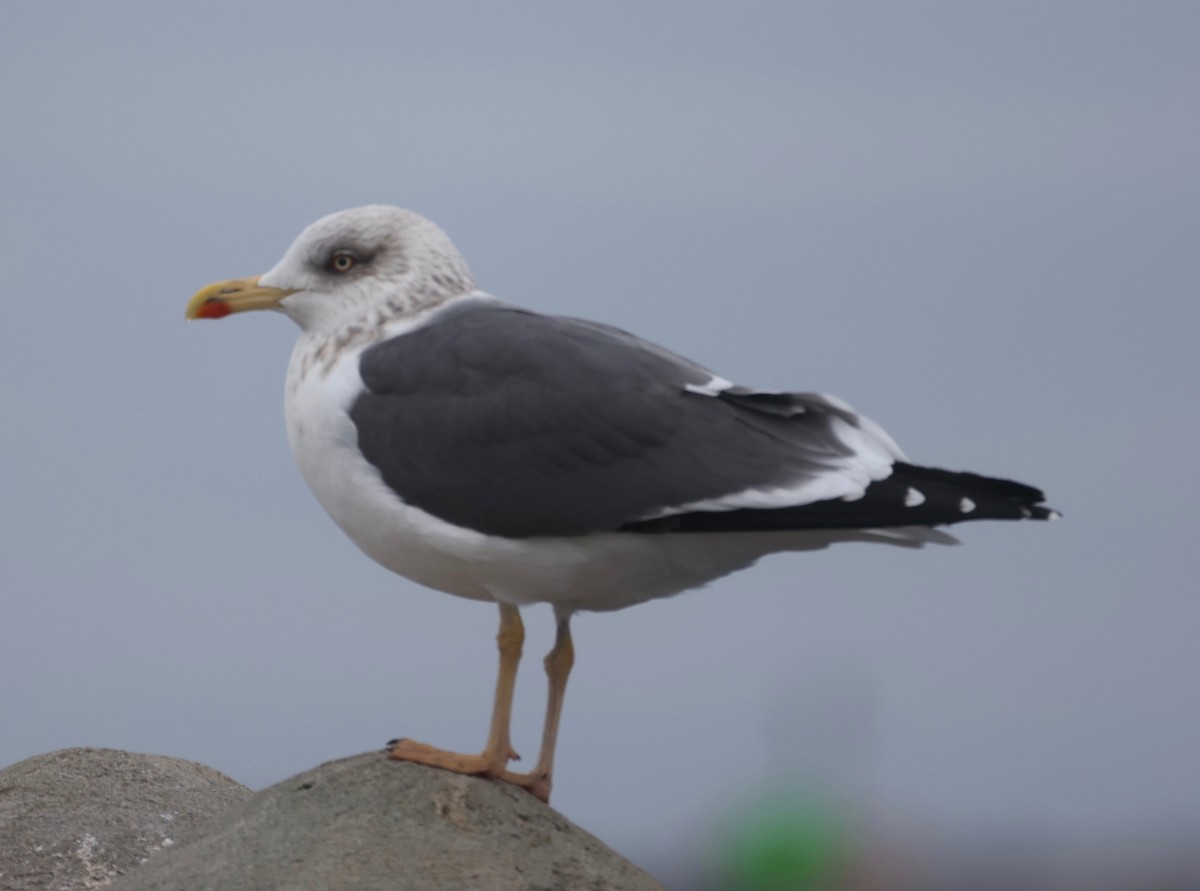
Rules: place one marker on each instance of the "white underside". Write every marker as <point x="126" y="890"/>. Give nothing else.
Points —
<point x="594" y="572"/>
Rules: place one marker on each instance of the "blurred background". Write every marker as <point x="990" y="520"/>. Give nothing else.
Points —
<point x="977" y="223"/>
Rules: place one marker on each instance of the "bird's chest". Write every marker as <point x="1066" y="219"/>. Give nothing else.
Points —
<point x="324" y="441"/>
<point x="320" y="432"/>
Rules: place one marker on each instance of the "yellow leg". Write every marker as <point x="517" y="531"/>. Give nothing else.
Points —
<point x="558" y="668"/>
<point x="498" y="751"/>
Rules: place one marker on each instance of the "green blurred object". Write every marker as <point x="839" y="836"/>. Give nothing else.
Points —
<point x="801" y="844"/>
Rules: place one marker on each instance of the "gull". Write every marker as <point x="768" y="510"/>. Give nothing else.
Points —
<point x="504" y="455"/>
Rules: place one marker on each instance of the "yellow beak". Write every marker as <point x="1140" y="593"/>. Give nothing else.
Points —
<point x="236" y="295"/>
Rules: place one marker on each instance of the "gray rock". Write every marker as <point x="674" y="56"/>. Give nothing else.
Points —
<point x="367" y="823"/>
<point x="78" y="818"/>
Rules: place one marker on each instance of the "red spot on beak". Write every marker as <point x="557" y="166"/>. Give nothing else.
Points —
<point x="213" y="308"/>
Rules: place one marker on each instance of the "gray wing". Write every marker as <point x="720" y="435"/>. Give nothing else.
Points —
<point x="518" y="424"/>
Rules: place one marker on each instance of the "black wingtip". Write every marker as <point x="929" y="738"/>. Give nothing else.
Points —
<point x="911" y="496"/>
<point x="979" y="497"/>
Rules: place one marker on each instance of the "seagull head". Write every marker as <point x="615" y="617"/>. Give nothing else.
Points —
<point x="356" y="267"/>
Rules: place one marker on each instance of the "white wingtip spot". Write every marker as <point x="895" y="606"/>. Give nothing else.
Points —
<point x="1054" y="515"/>
<point x="913" y="498"/>
<point x="966" y="505"/>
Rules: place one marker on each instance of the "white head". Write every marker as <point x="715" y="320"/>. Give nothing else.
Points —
<point x="358" y="267"/>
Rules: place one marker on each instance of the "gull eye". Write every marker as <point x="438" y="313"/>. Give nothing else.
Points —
<point x="342" y="262"/>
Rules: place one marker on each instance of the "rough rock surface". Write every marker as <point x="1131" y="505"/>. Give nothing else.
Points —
<point x="367" y="823"/>
<point x="78" y="818"/>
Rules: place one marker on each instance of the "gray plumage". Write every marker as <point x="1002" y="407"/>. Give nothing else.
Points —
<point x="517" y="424"/>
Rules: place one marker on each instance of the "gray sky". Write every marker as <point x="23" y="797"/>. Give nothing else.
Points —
<point x="977" y="224"/>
